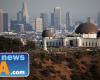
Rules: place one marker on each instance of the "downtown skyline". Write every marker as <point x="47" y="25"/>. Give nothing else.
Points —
<point x="78" y="9"/>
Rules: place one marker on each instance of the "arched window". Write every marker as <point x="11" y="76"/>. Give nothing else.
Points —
<point x="59" y="43"/>
<point x="92" y="44"/>
<point x="95" y="44"/>
<point x="83" y="44"/>
<point x="71" y="43"/>
<point x="41" y="43"/>
<point x="49" y="44"/>
<point x="53" y="44"/>
<point x="89" y="44"/>
<point x="86" y="43"/>
<point x="56" y="43"/>
<point x="62" y="43"/>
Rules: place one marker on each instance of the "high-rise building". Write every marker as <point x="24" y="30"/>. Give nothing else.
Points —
<point x="14" y="24"/>
<point x="52" y="19"/>
<point x="91" y="20"/>
<point x="17" y="27"/>
<point x="67" y="21"/>
<point x="88" y="19"/>
<point x="22" y="28"/>
<point x="57" y="18"/>
<point x="98" y="19"/>
<point x="44" y="17"/>
<point x="3" y="21"/>
<point x="38" y="25"/>
<point x="22" y="23"/>
<point x="19" y="16"/>
<point x="25" y="14"/>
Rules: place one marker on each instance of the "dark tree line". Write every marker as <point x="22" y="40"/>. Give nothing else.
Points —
<point x="14" y="45"/>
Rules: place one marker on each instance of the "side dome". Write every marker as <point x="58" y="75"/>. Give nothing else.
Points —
<point x="47" y="33"/>
<point x="86" y="28"/>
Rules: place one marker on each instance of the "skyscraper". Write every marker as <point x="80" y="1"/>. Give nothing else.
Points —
<point x="38" y="25"/>
<point x="19" y="16"/>
<point x="3" y="21"/>
<point x="52" y="19"/>
<point x="91" y="20"/>
<point x="57" y="18"/>
<point x="98" y="19"/>
<point x="44" y="17"/>
<point x="25" y="14"/>
<point x="67" y="21"/>
<point x="22" y="23"/>
<point x="88" y="19"/>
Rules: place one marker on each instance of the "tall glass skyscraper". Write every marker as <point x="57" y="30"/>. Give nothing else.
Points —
<point x="19" y="16"/>
<point x="44" y="17"/>
<point x="52" y="19"/>
<point x="57" y="18"/>
<point x="25" y="14"/>
<point x="67" y="21"/>
<point x="98" y="19"/>
<point x="3" y="21"/>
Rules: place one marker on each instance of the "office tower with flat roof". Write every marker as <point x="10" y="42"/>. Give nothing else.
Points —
<point x="57" y="18"/>
<point x="3" y="21"/>
<point x="19" y="16"/>
<point x="89" y="19"/>
<point x="38" y="25"/>
<point x="52" y="19"/>
<point x="98" y="19"/>
<point x="44" y="17"/>
<point x="67" y="21"/>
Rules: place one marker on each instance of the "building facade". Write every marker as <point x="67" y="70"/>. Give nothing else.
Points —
<point x="38" y="25"/>
<point x="52" y="19"/>
<point x="44" y="17"/>
<point x="25" y="14"/>
<point x="98" y="19"/>
<point x="67" y="21"/>
<point x="3" y="21"/>
<point x="19" y="16"/>
<point x="85" y="36"/>
<point x="57" y="18"/>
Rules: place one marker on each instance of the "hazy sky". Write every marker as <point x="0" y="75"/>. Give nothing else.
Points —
<point x="77" y="8"/>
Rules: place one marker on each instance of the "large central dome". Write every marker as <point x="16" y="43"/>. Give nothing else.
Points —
<point x="86" y="28"/>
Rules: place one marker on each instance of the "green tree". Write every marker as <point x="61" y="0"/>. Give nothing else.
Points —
<point x="8" y="44"/>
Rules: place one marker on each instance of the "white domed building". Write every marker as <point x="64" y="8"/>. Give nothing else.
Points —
<point x="86" y="35"/>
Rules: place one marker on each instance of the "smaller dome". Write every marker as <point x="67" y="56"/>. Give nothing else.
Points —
<point x="47" y="33"/>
